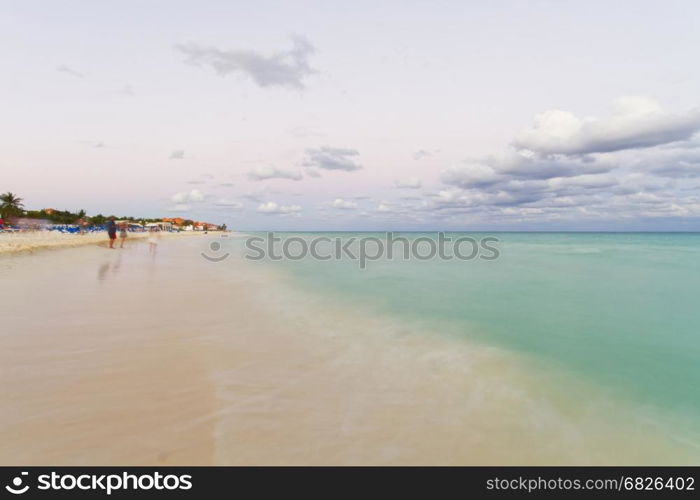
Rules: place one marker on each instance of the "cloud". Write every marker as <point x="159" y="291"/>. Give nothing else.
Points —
<point x="286" y="68"/>
<point x="620" y="194"/>
<point x="561" y="184"/>
<point x="272" y="208"/>
<point x="483" y="187"/>
<point x="328" y="158"/>
<point x="588" y="175"/>
<point x="265" y="173"/>
<point x="679" y="162"/>
<point x="385" y="206"/>
<point x="420" y="154"/>
<point x="494" y="171"/>
<point x="69" y="71"/>
<point x="471" y="176"/>
<point x="409" y="183"/>
<point x="178" y="154"/>
<point x="193" y="196"/>
<point x="535" y="167"/>
<point x="636" y="122"/>
<point x="344" y="204"/>
<point x="679" y="171"/>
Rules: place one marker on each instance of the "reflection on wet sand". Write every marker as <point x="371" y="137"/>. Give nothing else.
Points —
<point x="107" y="268"/>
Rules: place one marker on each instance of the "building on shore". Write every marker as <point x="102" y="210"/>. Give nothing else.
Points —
<point x="163" y="226"/>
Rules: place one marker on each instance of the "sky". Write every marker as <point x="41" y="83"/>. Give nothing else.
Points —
<point x="365" y="115"/>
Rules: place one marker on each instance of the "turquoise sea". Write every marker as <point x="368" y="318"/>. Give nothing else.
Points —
<point x="620" y="310"/>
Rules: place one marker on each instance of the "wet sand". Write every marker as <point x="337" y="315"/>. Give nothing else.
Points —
<point x="126" y="358"/>
<point x="32" y="241"/>
<point x="99" y="365"/>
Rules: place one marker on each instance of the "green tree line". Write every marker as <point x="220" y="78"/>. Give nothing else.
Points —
<point x="12" y="207"/>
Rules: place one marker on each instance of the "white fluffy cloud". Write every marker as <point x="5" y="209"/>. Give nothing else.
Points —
<point x="178" y="154"/>
<point x="193" y="196"/>
<point x="385" y="206"/>
<point x="636" y="122"/>
<point x="267" y="172"/>
<point x="272" y="208"/>
<point x="344" y="204"/>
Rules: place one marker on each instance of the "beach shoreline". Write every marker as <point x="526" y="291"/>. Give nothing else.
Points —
<point x="32" y="241"/>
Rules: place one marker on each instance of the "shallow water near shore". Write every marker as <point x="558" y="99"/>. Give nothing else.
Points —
<point x="619" y="308"/>
<point x="122" y="357"/>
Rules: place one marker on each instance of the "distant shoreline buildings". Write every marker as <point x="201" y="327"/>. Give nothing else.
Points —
<point x="13" y="213"/>
<point x="190" y="225"/>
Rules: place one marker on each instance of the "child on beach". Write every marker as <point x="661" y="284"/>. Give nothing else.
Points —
<point x="122" y="233"/>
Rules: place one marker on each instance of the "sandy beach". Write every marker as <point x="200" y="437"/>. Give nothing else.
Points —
<point x="121" y="357"/>
<point x="32" y="241"/>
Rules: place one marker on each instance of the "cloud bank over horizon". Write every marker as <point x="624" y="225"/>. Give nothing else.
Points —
<point x="625" y="166"/>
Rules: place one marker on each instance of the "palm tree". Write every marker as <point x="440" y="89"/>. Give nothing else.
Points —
<point x="11" y="205"/>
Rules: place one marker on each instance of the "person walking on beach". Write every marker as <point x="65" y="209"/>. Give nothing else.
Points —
<point x="122" y="233"/>
<point x="111" y="231"/>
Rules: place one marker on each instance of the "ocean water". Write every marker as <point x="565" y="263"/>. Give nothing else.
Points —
<point x="620" y="311"/>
